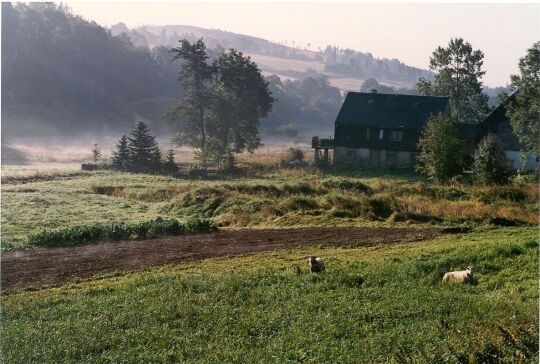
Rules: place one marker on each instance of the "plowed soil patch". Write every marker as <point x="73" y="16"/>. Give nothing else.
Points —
<point x="22" y="269"/>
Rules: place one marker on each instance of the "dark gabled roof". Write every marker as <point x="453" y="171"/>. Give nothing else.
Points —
<point x="390" y="111"/>
<point x="466" y="131"/>
<point x="498" y="123"/>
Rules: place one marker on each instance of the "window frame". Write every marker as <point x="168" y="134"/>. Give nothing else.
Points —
<point x="398" y="132"/>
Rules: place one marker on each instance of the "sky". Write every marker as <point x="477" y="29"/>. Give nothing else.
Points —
<point x="408" y="32"/>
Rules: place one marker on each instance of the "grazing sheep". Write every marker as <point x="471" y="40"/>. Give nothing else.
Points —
<point x="316" y="264"/>
<point x="462" y="276"/>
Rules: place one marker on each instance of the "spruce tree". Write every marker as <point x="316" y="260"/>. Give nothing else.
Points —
<point x="489" y="161"/>
<point x="144" y="154"/>
<point x="169" y="166"/>
<point x="120" y="156"/>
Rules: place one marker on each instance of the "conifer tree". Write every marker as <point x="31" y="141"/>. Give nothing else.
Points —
<point x="144" y="153"/>
<point x="120" y="156"/>
<point x="169" y="166"/>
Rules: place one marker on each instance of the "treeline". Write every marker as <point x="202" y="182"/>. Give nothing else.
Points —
<point x="364" y="65"/>
<point x="337" y="60"/>
<point x="302" y="106"/>
<point x="66" y="73"/>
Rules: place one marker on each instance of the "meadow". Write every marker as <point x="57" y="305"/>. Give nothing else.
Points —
<point x="373" y="304"/>
<point x="275" y="198"/>
<point x="380" y="304"/>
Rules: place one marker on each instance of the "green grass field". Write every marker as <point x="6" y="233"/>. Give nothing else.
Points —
<point x="379" y="304"/>
<point x="382" y="304"/>
<point x="274" y="199"/>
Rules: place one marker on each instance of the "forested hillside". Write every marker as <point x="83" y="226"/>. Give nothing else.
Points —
<point x="62" y="74"/>
<point x="336" y="62"/>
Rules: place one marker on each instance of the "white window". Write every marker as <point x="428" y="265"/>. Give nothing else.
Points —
<point x="381" y="134"/>
<point x="396" y="135"/>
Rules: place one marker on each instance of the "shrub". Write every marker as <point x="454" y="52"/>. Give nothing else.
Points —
<point x="381" y="206"/>
<point x="489" y="161"/>
<point x="294" y="154"/>
<point x="498" y="193"/>
<point x="117" y="231"/>
<point x="441" y="149"/>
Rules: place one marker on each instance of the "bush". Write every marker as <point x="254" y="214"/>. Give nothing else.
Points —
<point x="294" y="154"/>
<point x="497" y="193"/>
<point x="117" y="231"/>
<point x="381" y="206"/>
<point x="441" y="149"/>
<point x="489" y="161"/>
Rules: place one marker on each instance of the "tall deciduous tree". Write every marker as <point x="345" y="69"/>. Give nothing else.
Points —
<point x="241" y="99"/>
<point x="222" y="104"/>
<point x="523" y="108"/>
<point x="440" y="149"/>
<point x="192" y="112"/>
<point x="144" y="153"/>
<point x="458" y="74"/>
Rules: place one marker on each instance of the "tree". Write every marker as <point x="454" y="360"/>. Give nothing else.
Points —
<point x="192" y="112"/>
<point x="170" y="166"/>
<point x="489" y="161"/>
<point x="458" y="74"/>
<point x="371" y="84"/>
<point x="241" y="99"/>
<point x="96" y="153"/>
<point x="120" y="156"/>
<point x="523" y="107"/>
<point x="144" y="154"/>
<point x="440" y="149"/>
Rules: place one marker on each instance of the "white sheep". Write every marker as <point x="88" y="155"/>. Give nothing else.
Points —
<point x="462" y="276"/>
<point x="316" y="264"/>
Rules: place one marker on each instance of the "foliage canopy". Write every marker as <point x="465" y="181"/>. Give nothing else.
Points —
<point x="458" y="74"/>
<point x="441" y="149"/>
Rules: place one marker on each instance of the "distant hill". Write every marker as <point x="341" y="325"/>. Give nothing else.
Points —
<point x="345" y="68"/>
<point x="63" y="76"/>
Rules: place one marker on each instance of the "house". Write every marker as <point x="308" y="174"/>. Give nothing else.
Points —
<point x="499" y="124"/>
<point x="378" y="129"/>
<point x="375" y="129"/>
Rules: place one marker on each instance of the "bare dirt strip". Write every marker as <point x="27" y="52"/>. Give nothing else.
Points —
<point x="42" y="267"/>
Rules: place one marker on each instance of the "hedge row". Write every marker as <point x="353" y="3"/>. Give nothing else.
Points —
<point x="117" y="231"/>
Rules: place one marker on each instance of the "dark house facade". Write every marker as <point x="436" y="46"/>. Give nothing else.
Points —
<point x="499" y="124"/>
<point x="382" y="130"/>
